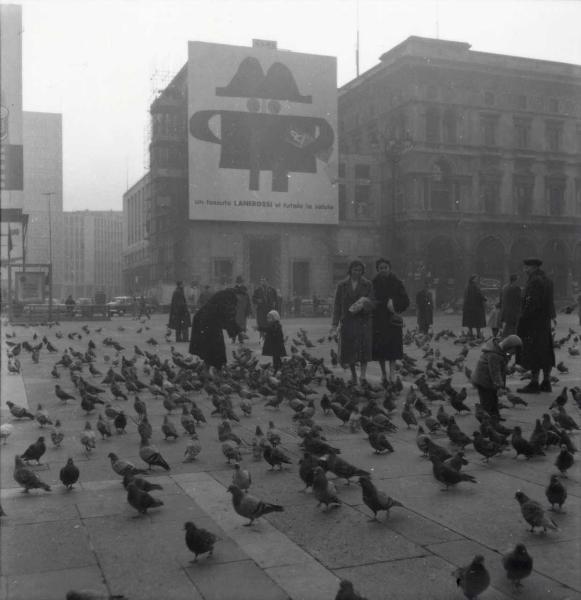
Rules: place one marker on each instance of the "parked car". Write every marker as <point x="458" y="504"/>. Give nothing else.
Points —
<point x="120" y="305"/>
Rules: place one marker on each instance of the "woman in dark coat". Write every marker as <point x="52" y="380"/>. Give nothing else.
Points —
<point x="352" y="319"/>
<point x="425" y="309"/>
<point x="390" y="299"/>
<point x="473" y="310"/>
<point x="274" y="340"/>
<point x="207" y="339"/>
<point x="179" y="314"/>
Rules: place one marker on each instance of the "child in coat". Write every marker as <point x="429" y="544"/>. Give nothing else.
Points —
<point x="274" y="340"/>
<point x="494" y="319"/>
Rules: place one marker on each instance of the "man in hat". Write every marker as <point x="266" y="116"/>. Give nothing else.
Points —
<point x="534" y="328"/>
<point x="179" y="314"/>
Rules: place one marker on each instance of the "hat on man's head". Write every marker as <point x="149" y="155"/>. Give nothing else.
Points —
<point x="511" y="341"/>
<point x="532" y="261"/>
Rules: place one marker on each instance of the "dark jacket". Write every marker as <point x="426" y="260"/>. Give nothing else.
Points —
<point x="273" y="340"/>
<point x="490" y="370"/>
<point x="425" y="309"/>
<point x="265" y="299"/>
<point x="207" y="340"/>
<point x="473" y="311"/>
<point x="355" y="335"/>
<point x="388" y="338"/>
<point x="179" y="314"/>
<point x="534" y="325"/>
<point x="510" y="304"/>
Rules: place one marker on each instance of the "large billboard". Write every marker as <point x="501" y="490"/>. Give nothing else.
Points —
<point x="262" y="135"/>
<point x="11" y="157"/>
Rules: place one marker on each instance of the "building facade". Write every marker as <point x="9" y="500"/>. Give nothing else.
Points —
<point x="478" y="162"/>
<point x="136" y="250"/>
<point x="93" y="247"/>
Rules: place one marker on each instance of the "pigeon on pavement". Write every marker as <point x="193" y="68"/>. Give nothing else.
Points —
<point x="534" y="513"/>
<point x="556" y="492"/>
<point x="324" y="490"/>
<point x="69" y="474"/>
<point x="140" y="500"/>
<point x="199" y="541"/>
<point x="518" y="564"/>
<point x="35" y="451"/>
<point x="19" y="412"/>
<point x="26" y="477"/>
<point x="347" y="591"/>
<point x="249" y="506"/>
<point x="447" y="475"/>
<point x="473" y="578"/>
<point x="375" y="499"/>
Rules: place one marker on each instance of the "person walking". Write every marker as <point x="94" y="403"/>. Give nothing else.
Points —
<point x="489" y="375"/>
<point x="274" y="340"/>
<point x="207" y="339"/>
<point x="510" y="304"/>
<point x="179" y="314"/>
<point x="494" y="319"/>
<point x="264" y="299"/>
<point x="473" y="313"/>
<point x="243" y="307"/>
<point x="424" y="309"/>
<point x="352" y="310"/>
<point x="390" y="299"/>
<point x="534" y="328"/>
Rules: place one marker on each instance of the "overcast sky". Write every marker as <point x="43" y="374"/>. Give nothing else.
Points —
<point x="99" y="62"/>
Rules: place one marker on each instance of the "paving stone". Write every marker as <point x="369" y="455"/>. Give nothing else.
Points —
<point x="561" y="561"/>
<point x="235" y="581"/>
<point x="537" y="587"/>
<point x="38" y="547"/>
<point x="109" y="501"/>
<point x="34" y="507"/>
<point x="305" y="581"/>
<point x="54" y="585"/>
<point x="425" y="578"/>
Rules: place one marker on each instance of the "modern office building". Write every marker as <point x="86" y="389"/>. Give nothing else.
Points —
<point x="93" y="248"/>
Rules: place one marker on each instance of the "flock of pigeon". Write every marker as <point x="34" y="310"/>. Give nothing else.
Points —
<point x="420" y="397"/>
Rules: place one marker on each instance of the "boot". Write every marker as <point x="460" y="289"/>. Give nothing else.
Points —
<point x="545" y="386"/>
<point x="532" y="388"/>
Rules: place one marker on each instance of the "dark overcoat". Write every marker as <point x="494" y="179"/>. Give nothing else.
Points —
<point x="388" y="338"/>
<point x="179" y="314"/>
<point x="473" y="310"/>
<point x="534" y="325"/>
<point x="273" y="340"/>
<point x="265" y="299"/>
<point x="355" y="333"/>
<point x="510" y="305"/>
<point x="424" y="309"/>
<point x="207" y="340"/>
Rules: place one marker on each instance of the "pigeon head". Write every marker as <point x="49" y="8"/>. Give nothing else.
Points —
<point x="113" y="456"/>
<point x="189" y="526"/>
<point x="521" y="497"/>
<point x="478" y="560"/>
<point x="521" y="549"/>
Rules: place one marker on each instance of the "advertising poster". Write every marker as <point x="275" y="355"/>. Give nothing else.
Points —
<point x="262" y="135"/>
<point x="30" y="286"/>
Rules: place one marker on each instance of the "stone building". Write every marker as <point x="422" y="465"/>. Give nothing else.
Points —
<point x="477" y="162"/>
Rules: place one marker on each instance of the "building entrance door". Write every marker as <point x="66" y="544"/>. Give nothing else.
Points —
<point x="264" y="260"/>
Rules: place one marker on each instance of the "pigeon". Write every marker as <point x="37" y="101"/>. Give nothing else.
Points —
<point x="422" y="441"/>
<point x="241" y="477"/>
<point x="307" y="466"/>
<point x="523" y="446"/>
<point x="556" y="492"/>
<point x="19" y="412"/>
<point x="275" y="456"/>
<point x="151" y="455"/>
<point x="518" y="564"/>
<point x="437" y="451"/>
<point x="120" y="422"/>
<point x="341" y="468"/>
<point x="473" y="578"/>
<point x="193" y="448"/>
<point x="168" y="428"/>
<point x="87" y="438"/>
<point x="560" y="400"/>
<point x="249" y="506"/>
<point x="231" y="451"/>
<point x="5" y="430"/>
<point x="564" y="460"/>
<point x="379" y="442"/>
<point x="122" y="467"/>
<point x="144" y="428"/>
<point x="457" y="461"/>
<point x="447" y="475"/>
<point x="35" y="451"/>
<point x="42" y="417"/>
<point x="61" y="394"/>
<point x="347" y="591"/>
<point x="324" y="490"/>
<point x="199" y="541"/>
<point x="375" y="499"/>
<point x="143" y="484"/>
<point x="69" y="474"/>
<point x="26" y="477"/>
<point x="486" y="448"/>
<point x="533" y="513"/>
<point x="408" y="415"/>
<point x="140" y="500"/>
<point x="56" y="435"/>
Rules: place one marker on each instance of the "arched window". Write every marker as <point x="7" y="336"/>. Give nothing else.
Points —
<point x="432" y="125"/>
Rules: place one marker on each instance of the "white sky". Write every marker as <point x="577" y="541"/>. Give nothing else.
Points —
<point x="94" y="61"/>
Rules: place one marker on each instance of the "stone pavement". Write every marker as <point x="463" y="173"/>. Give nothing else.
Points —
<point x="89" y="537"/>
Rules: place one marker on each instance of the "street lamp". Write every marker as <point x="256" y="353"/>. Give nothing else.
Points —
<point x="392" y="149"/>
<point x="50" y="195"/>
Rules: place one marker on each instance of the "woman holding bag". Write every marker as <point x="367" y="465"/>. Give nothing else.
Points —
<point x="352" y="316"/>
<point x="390" y="299"/>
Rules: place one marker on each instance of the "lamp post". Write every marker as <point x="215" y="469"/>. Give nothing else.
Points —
<point x="393" y="148"/>
<point x="50" y="195"/>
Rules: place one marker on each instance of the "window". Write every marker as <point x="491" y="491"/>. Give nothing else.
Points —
<point x="432" y="125"/>
<point x="223" y="270"/>
<point x="450" y="127"/>
<point x="488" y="125"/>
<point x="362" y="171"/>
<point x="556" y="197"/>
<point x="362" y="202"/>
<point x="554" y="133"/>
<point x="522" y="132"/>
<point x="342" y="202"/>
<point x="490" y="196"/>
